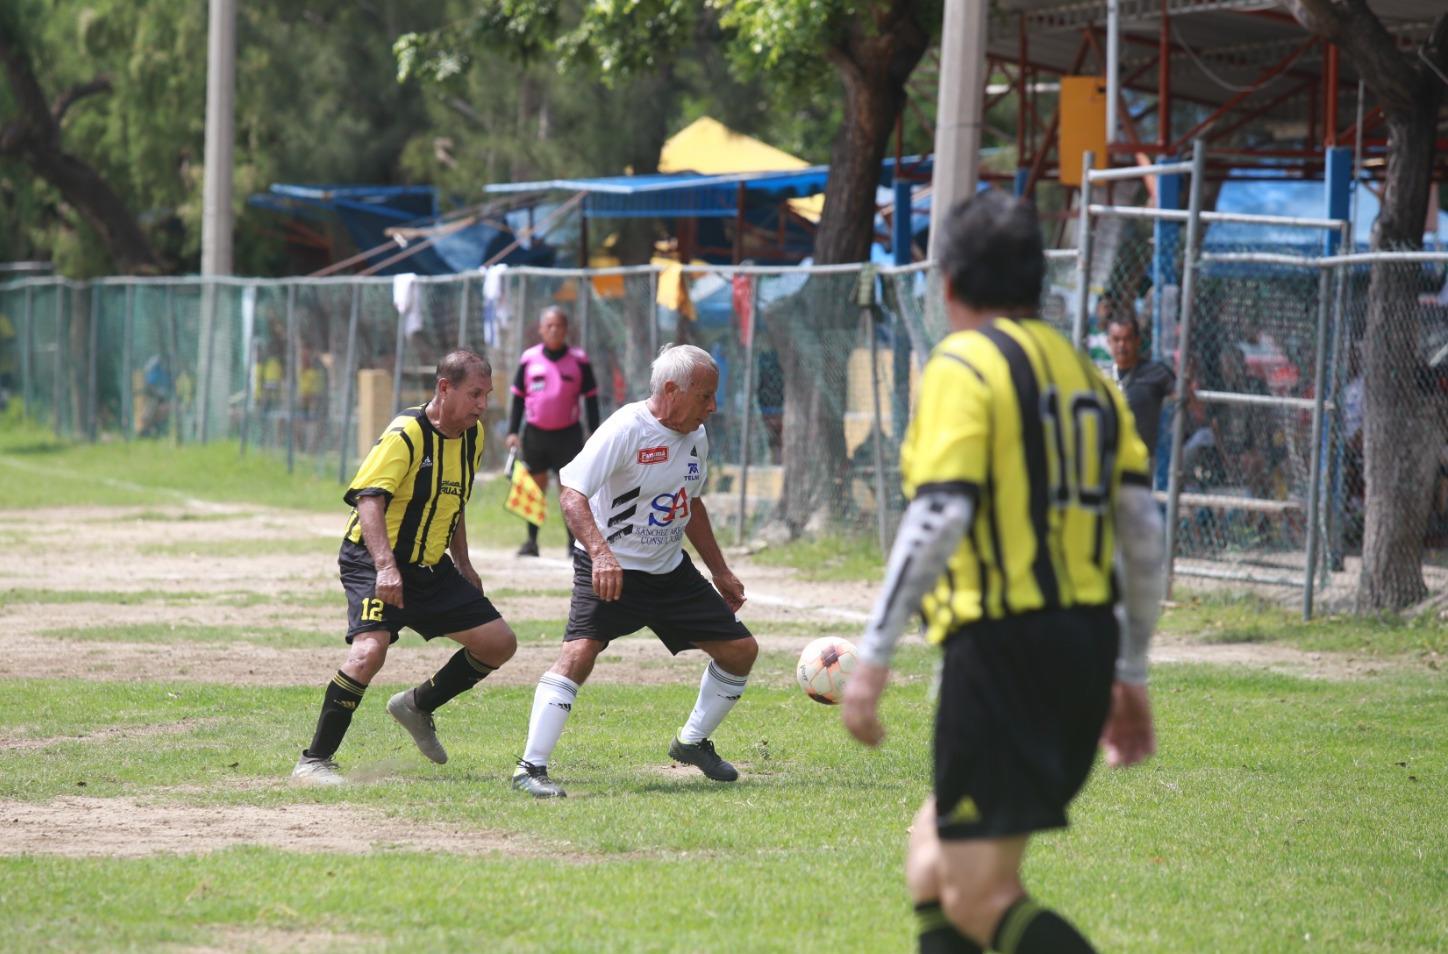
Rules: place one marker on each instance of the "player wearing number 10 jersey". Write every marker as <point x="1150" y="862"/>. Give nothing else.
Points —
<point x="1025" y="475"/>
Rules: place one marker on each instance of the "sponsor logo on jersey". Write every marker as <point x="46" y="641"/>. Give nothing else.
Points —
<point x="668" y="506"/>
<point x="693" y="473"/>
<point x="653" y="455"/>
<point x="426" y="463"/>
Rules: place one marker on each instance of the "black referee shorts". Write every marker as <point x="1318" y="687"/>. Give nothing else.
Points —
<point x="438" y="600"/>
<point x="551" y="450"/>
<point x="681" y="607"/>
<point x="1022" y="704"/>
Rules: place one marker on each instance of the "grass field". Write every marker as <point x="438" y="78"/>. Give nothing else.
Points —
<point x="166" y="637"/>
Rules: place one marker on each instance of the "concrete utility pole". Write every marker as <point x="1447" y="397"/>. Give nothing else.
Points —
<point x="220" y="132"/>
<point x="958" y="116"/>
<point x="216" y="202"/>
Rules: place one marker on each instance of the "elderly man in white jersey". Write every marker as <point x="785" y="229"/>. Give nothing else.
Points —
<point x="630" y="497"/>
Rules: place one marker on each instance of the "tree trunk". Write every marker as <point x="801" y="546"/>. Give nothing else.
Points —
<point x="1401" y="436"/>
<point x="816" y="333"/>
<point x="34" y="137"/>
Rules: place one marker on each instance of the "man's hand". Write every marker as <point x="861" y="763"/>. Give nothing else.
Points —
<point x="1128" y="736"/>
<point x="607" y="575"/>
<point x="389" y="585"/>
<point x="471" y="575"/>
<point x="513" y="442"/>
<point x="731" y="589"/>
<point x="862" y="700"/>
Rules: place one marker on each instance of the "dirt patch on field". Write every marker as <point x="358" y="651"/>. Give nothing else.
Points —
<point x="121" y="733"/>
<point x="80" y="827"/>
<point x="230" y="939"/>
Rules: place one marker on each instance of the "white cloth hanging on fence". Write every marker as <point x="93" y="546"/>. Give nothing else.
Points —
<point x="408" y="302"/>
<point x="496" y="310"/>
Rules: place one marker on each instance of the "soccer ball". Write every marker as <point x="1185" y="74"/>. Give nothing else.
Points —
<point x="823" y="667"/>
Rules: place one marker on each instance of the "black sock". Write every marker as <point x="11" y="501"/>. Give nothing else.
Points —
<point x="937" y="934"/>
<point x="532" y="533"/>
<point x="1028" y="928"/>
<point x="460" y="674"/>
<point x="343" y="696"/>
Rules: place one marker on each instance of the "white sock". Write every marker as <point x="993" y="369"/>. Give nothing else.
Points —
<point x="552" y="702"/>
<point x="718" y="691"/>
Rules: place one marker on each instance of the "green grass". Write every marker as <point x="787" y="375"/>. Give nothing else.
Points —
<point x="328" y="596"/>
<point x="1278" y="809"/>
<point x="1247" y="618"/>
<point x="827" y="558"/>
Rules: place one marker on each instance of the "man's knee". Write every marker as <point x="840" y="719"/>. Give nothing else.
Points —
<point x="922" y="857"/>
<point x="979" y="880"/>
<point x="577" y="659"/>
<point x="367" y="654"/>
<point x="736" y="656"/>
<point x="492" y="644"/>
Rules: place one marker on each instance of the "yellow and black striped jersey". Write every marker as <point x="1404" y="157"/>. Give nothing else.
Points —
<point x="426" y="478"/>
<point x="1016" y="417"/>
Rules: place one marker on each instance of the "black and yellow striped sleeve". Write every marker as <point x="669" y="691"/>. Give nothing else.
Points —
<point x="948" y="438"/>
<point x="386" y="465"/>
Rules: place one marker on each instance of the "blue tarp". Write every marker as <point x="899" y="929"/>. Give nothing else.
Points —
<point x="689" y="195"/>
<point x="366" y="212"/>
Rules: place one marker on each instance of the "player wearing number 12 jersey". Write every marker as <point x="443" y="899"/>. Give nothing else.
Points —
<point x="404" y="562"/>
<point x="1025" y="475"/>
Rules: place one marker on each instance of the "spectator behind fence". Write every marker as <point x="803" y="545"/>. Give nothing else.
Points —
<point x="1145" y="382"/>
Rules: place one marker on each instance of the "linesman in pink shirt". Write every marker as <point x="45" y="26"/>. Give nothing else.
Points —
<point x="551" y="378"/>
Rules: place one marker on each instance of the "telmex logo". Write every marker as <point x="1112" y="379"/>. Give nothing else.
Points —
<point x="653" y="455"/>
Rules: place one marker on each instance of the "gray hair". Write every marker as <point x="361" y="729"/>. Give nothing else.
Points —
<point x="677" y="363"/>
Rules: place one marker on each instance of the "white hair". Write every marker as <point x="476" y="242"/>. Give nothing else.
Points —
<point x="677" y="363"/>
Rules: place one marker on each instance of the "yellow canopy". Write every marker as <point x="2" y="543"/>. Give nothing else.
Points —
<point x="709" y="147"/>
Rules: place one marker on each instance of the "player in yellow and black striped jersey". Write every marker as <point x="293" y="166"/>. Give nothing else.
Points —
<point x="404" y="562"/>
<point x="1028" y="493"/>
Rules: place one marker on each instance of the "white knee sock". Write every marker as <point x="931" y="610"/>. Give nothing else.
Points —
<point x="718" y="691"/>
<point x="552" y="702"/>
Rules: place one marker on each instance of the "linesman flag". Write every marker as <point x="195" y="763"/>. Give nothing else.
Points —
<point x="524" y="497"/>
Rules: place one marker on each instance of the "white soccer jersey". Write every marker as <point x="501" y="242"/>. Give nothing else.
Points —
<point x="641" y="479"/>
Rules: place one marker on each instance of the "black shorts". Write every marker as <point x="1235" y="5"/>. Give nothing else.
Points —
<point x="1022" y="704"/>
<point x="680" y="606"/>
<point x="438" y="600"/>
<point x="551" y="450"/>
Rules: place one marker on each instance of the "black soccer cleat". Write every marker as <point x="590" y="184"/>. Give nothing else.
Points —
<point x="529" y="548"/>
<point x="701" y="755"/>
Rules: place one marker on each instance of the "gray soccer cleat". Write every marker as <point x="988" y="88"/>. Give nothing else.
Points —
<point x="534" y="780"/>
<point x="314" y="771"/>
<point x="701" y="754"/>
<point x="418" y="724"/>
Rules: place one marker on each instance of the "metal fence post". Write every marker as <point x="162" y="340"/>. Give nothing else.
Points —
<point x="27" y="346"/>
<point x="1083" y="252"/>
<point x="203" y="359"/>
<point x="399" y="350"/>
<point x="173" y="364"/>
<point x="57" y="383"/>
<point x="463" y="316"/>
<point x="294" y="354"/>
<point x="249" y="367"/>
<point x="753" y="329"/>
<point x="870" y="312"/>
<point x="1179" y="419"/>
<point x="349" y="372"/>
<point x="1314" y="480"/>
<point x="128" y="424"/>
<point x="654" y="313"/>
<point x="92" y="371"/>
<point x="583" y="296"/>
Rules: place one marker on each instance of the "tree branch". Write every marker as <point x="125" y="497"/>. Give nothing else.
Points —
<point x="63" y="102"/>
<point x="34" y="120"/>
<point x="1360" y="34"/>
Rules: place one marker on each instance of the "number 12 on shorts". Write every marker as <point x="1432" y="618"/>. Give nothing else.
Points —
<point x="371" y="610"/>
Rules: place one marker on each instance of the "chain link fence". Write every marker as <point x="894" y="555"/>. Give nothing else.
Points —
<point x="818" y="369"/>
